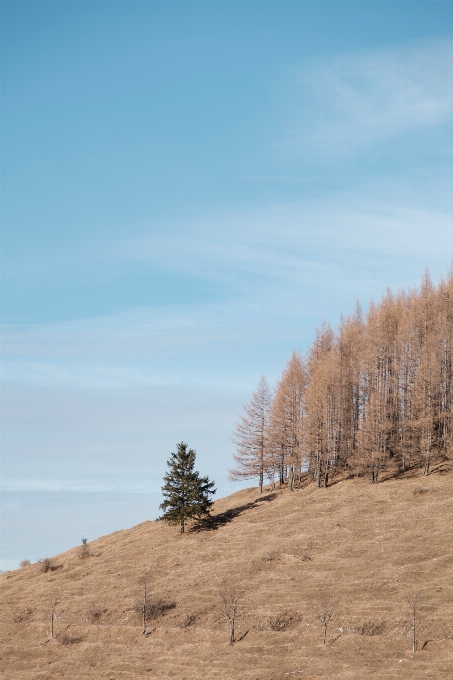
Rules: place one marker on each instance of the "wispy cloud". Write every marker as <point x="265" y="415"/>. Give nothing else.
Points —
<point x="357" y="100"/>
<point x="94" y="485"/>
<point x="290" y="267"/>
<point x="290" y="243"/>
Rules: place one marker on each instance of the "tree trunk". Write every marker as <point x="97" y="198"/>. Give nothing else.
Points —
<point x="232" y="634"/>
<point x="427" y="462"/>
<point x="325" y="633"/>
<point x="291" y="479"/>
<point x="182" y="526"/>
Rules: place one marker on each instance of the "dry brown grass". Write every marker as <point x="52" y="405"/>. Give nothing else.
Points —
<point x="365" y="545"/>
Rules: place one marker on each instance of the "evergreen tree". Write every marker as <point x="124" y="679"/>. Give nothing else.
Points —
<point x="186" y="494"/>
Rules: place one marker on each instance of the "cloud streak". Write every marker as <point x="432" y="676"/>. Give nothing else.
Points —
<point x="290" y="267"/>
<point x="367" y="98"/>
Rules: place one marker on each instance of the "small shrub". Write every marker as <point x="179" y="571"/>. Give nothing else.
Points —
<point x="94" y="615"/>
<point x="22" y="615"/>
<point x="84" y="550"/>
<point x="270" y="557"/>
<point x="419" y="490"/>
<point x="278" y="623"/>
<point x="189" y="620"/>
<point x="46" y="565"/>
<point x="448" y="635"/>
<point x="155" y="608"/>
<point x="370" y="628"/>
<point x="66" y="639"/>
<point x="24" y="563"/>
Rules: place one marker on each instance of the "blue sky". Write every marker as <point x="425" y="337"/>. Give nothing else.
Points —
<point x="188" y="190"/>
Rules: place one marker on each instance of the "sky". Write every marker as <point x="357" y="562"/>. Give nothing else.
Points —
<point x="188" y="190"/>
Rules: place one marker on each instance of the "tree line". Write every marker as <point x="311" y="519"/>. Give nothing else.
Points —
<point x="375" y="394"/>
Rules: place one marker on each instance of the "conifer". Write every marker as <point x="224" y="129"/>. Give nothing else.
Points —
<point x="186" y="494"/>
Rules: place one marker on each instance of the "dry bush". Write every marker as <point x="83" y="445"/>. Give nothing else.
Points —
<point x="94" y="614"/>
<point x="189" y="620"/>
<point x="270" y="557"/>
<point x="24" y="563"/>
<point x="66" y="639"/>
<point x="419" y="491"/>
<point x="447" y="633"/>
<point x="84" y="550"/>
<point x="46" y="565"/>
<point x="22" y="615"/>
<point x="154" y="608"/>
<point x="279" y="622"/>
<point x="370" y="627"/>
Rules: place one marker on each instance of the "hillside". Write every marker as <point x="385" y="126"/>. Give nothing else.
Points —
<point x="366" y="545"/>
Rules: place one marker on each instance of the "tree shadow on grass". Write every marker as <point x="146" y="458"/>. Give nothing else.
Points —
<point x="214" y="522"/>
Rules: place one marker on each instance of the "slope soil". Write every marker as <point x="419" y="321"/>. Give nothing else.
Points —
<point x="363" y="547"/>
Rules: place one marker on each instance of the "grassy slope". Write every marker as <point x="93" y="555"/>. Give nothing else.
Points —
<point x="368" y="545"/>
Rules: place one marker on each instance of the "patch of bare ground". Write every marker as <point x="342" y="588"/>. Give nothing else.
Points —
<point x="359" y="547"/>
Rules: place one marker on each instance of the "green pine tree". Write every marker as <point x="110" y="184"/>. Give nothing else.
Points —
<point x="186" y="494"/>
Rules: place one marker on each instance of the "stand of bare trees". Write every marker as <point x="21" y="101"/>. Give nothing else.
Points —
<point x="377" y="394"/>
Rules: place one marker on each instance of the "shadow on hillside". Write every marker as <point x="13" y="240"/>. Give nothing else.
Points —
<point x="415" y="471"/>
<point x="214" y="522"/>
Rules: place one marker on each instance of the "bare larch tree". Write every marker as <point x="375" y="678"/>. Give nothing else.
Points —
<point x="230" y="597"/>
<point x="413" y="615"/>
<point x="286" y="421"/>
<point x="142" y="601"/>
<point x="53" y="602"/>
<point x="251" y="437"/>
<point x="324" y="612"/>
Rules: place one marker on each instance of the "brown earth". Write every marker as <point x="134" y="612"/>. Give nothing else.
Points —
<point x="366" y="546"/>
